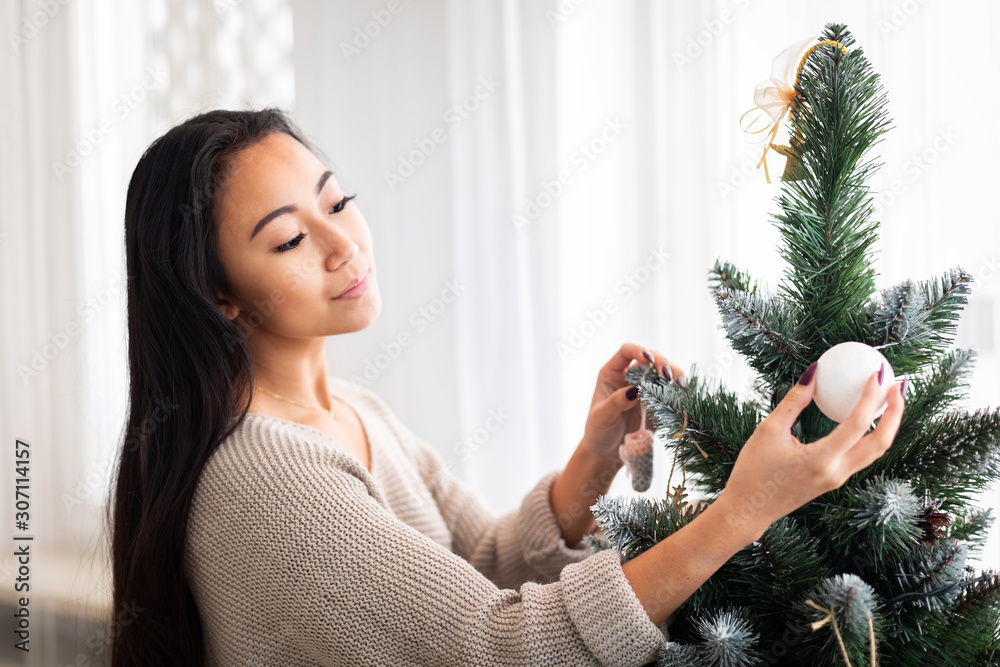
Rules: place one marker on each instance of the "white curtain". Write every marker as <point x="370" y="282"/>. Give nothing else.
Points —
<point x="87" y="85"/>
<point x="37" y="244"/>
<point x="612" y="130"/>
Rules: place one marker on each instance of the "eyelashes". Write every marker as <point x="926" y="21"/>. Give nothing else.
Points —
<point x="294" y="243"/>
<point x="290" y="245"/>
<point x="342" y="203"/>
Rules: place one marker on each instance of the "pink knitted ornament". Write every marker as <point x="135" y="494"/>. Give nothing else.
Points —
<point x="637" y="455"/>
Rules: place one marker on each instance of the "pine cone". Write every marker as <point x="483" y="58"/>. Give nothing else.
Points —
<point x="636" y="452"/>
<point x="933" y="525"/>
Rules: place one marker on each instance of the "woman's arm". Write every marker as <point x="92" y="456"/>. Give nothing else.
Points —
<point x="523" y="544"/>
<point x="290" y="555"/>
<point x="667" y="574"/>
<point x="586" y="476"/>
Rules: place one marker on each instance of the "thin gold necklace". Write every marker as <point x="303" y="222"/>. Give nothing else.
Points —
<point x="311" y="407"/>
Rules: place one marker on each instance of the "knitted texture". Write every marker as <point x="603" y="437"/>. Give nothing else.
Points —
<point x="298" y="555"/>
<point x="636" y="452"/>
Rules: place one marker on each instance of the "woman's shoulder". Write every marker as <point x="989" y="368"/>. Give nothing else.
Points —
<point x="266" y="451"/>
<point x="266" y="463"/>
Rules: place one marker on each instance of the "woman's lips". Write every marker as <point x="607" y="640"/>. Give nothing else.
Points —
<point x="355" y="291"/>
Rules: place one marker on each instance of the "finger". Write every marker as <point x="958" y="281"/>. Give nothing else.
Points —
<point x="785" y="413"/>
<point x="617" y="402"/>
<point x="849" y="431"/>
<point x="878" y="442"/>
<point x="667" y="369"/>
<point x="625" y="355"/>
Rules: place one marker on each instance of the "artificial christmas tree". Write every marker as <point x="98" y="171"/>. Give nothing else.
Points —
<point x="874" y="571"/>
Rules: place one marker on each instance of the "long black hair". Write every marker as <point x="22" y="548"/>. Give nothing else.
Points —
<point x="190" y="376"/>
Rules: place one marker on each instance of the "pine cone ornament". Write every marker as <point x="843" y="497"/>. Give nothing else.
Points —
<point x="636" y="452"/>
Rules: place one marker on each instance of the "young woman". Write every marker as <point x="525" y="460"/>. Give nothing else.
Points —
<point x="278" y="515"/>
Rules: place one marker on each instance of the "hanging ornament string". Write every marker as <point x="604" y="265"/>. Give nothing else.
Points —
<point x="636" y="452"/>
<point x="831" y="618"/>
<point x="776" y="96"/>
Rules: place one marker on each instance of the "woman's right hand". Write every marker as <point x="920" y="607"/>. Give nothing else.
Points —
<point x="775" y="473"/>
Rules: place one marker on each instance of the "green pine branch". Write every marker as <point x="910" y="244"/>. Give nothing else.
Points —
<point x="955" y="455"/>
<point x="706" y="427"/>
<point x="825" y="223"/>
<point x="634" y="524"/>
<point x="940" y="387"/>
<point x="926" y="586"/>
<point x="970" y="634"/>
<point x="972" y="526"/>
<point x="881" y="516"/>
<point x="917" y="321"/>
<point x="847" y="601"/>
<point x="770" y="574"/>
<point x="721" y="637"/>
<point x="764" y="330"/>
<point x="724" y="274"/>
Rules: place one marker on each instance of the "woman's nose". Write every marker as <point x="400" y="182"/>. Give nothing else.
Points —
<point x="337" y="244"/>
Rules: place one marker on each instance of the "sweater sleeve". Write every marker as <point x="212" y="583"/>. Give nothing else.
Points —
<point x="525" y="543"/>
<point x="293" y="549"/>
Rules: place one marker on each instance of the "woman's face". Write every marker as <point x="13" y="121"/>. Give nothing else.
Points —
<point x="290" y="245"/>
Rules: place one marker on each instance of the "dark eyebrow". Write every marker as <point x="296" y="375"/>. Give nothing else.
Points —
<point x="322" y="181"/>
<point x="288" y="208"/>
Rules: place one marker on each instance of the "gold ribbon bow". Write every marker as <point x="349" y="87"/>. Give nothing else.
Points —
<point x="775" y="96"/>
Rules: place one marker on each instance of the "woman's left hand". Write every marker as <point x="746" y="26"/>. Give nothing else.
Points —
<point x="613" y="413"/>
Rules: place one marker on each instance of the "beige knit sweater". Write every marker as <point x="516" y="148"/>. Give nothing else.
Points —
<point x="297" y="555"/>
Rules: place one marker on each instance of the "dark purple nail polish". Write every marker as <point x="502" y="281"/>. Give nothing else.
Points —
<point x="902" y="386"/>
<point x="632" y="392"/>
<point x="881" y="373"/>
<point x="808" y="375"/>
<point x="665" y="370"/>
<point x="648" y="356"/>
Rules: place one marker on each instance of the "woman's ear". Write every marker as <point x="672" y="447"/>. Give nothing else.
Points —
<point x="227" y="307"/>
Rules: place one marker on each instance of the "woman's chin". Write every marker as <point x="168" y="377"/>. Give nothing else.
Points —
<point x="360" y="316"/>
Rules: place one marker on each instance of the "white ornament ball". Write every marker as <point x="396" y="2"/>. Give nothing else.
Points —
<point x="841" y="374"/>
